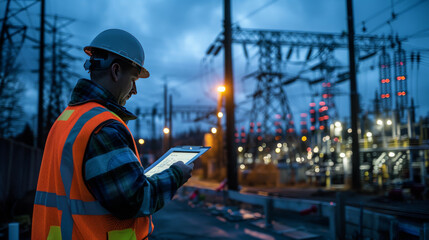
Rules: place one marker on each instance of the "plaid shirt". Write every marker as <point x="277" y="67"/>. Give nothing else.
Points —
<point x="121" y="187"/>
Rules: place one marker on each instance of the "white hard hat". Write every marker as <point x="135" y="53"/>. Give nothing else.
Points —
<point x="120" y="43"/>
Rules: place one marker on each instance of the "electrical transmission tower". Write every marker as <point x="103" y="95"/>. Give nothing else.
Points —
<point x="60" y="73"/>
<point x="12" y="37"/>
<point x="270" y="97"/>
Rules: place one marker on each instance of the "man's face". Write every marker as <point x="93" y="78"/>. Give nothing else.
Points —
<point x="127" y="85"/>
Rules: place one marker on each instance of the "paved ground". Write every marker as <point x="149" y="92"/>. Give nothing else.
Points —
<point x="179" y="221"/>
<point x="415" y="209"/>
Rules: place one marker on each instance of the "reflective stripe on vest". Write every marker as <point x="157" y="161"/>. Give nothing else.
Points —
<point x="63" y="205"/>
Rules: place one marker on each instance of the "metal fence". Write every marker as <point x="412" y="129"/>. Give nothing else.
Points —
<point x="19" y="171"/>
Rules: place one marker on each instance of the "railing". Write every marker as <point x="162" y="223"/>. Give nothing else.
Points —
<point x="343" y="220"/>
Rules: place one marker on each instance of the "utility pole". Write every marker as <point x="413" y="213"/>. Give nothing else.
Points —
<point x="53" y="101"/>
<point x="170" y="122"/>
<point x="153" y="123"/>
<point x="138" y="134"/>
<point x="354" y="99"/>
<point x="40" y="133"/>
<point x="2" y="35"/>
<point x="165" y="134"/>
<point x="229" y="103"/>
<point x="219" y="134"/>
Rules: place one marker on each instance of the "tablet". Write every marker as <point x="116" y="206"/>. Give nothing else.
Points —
<point x="186" y="154"/>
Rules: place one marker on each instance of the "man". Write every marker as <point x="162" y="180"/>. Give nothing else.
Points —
<point x="91" y="182"/>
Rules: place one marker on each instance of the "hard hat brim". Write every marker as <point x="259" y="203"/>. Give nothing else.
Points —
<point x="143" y="72"/>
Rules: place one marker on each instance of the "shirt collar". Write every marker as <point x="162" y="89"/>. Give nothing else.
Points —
<point x="90" y="91"/>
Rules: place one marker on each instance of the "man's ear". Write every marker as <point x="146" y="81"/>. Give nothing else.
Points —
<point x="114" y="71"/>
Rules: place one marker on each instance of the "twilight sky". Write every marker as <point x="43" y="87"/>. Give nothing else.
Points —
<point x="176" y="34"/>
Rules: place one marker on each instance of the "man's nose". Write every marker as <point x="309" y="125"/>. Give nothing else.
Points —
<point x="134" y="89"/>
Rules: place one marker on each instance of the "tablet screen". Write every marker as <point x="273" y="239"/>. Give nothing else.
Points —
<point x="170" y="160"/>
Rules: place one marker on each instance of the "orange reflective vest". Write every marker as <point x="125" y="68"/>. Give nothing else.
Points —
<point x="64" y="208"/>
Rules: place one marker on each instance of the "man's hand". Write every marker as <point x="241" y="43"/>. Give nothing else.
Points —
<point x="186" y="170"/>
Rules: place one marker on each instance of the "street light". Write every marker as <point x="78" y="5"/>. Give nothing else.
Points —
<point x="389" y="122"/>
<point x="166" y="130"/>
<point x="141" y="141"/>
<point x="337" y="124"/>
<point x="219" y="114"/>
<point x="380" y="122"/>
<point x="214" y="130"/>
<point x="221" y="89"/>
<point x="316" y="149"/>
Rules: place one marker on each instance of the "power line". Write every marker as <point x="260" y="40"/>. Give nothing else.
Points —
<point x="378" y="13"/>
<point x="395" y="16"/>
<point x="255" y="11"/>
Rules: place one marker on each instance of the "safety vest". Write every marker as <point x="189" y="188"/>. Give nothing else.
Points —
<point x="64" y="208"/>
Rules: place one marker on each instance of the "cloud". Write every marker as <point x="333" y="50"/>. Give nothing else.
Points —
<point x="176" y="34"/>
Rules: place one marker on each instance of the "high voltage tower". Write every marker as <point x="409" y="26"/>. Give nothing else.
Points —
<point x="59" y="60"/>
<point x="13" y="34"/>
<point x="54" y="54"/>
<point x="270" y="101"/>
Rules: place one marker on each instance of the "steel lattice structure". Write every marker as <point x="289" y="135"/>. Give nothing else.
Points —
<point x="60" y="72"/>
<point x="318" y="40"/>
<point x="270" y="98"/>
